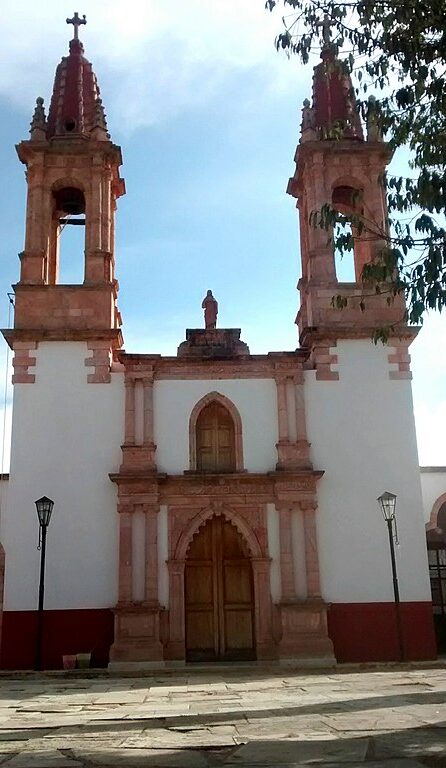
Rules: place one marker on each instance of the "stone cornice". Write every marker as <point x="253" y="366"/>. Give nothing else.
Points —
<point x="11" y="335"/>
<point x="281" y="487"/>
<point x="250" y="367"/>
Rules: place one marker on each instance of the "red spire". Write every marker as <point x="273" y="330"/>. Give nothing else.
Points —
<point x="334" y="101"/>
<point x="75" y="101"/>
<point x="334" y="113"/>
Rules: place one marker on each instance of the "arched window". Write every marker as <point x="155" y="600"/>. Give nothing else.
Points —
<point x="215" y="431"/>
<point x="215" y="439"/>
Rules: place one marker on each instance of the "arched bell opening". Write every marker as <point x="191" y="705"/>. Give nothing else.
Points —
<point x="66" y="255"/>
<point x="219" y="595"/>
<point x="349" y="262"/>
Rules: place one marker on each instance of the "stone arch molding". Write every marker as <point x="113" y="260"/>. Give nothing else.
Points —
<point x="216" y="397"/>
<point x="355" y="182"/>
<point x="202" y="518"/>
<point x="67" y="181"/>
<point x="432" y="524"/>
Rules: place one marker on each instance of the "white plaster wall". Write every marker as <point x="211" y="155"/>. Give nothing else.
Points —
<point x="362" y="434"/>
<point x="433" y="485"/>
<point x="66" y="439"/>
<point x="255" y="399"/>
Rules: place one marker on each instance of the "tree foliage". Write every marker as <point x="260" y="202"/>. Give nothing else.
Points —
<point x="395" y="49"/>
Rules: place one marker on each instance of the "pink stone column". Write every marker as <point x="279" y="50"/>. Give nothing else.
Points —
<point x="129" y="412"/>
<point x="282" y="408"/>
<point x="151" y="590"/>
<point x="176" y="644"/>
<point x="148" y="409"/>
<point x="311" y="551"/>
<point x="125" y="555"/>
<point x="263" y="608"/>
<point x="286" y="555"/>
<point x="301" y="422"/>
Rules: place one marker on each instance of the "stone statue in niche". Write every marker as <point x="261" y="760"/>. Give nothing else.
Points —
<point x="210" y="307"/>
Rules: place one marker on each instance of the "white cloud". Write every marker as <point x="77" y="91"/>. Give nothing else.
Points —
<point x="152" y="57"/>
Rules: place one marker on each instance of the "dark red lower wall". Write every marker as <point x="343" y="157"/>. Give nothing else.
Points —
<point x="368" y="631"/>
<point x="360" y="632"/>
<point x="64" y="632"/>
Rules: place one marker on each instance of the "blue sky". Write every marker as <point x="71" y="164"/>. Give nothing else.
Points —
<point x="208" y="117"/>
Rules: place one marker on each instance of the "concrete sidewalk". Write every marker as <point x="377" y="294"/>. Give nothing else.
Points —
<point x="257" y="717"/>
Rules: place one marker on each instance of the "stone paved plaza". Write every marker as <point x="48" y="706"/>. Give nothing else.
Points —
<point x="246" y="717"/>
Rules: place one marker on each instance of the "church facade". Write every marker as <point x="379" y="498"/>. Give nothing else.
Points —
<point x="214" y="505"/>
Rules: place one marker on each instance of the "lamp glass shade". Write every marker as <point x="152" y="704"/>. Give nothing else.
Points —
<point x="44" y="508"/>
<point x="387" y="503"/>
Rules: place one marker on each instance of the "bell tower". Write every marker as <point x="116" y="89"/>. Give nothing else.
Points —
<point x="72" y="171"/>
<point x="337" y="165"/>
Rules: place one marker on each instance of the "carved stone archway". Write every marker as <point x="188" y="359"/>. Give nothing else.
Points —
<point x="264" y="642"/>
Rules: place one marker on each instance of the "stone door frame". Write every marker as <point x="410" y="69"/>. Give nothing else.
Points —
<point x="260" y="562"/>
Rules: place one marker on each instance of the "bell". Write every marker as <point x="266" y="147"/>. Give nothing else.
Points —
<point x="70" y="200"/>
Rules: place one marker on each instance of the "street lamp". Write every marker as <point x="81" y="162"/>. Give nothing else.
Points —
<point x="44" y="508"/>
<point x="387" y="503"/>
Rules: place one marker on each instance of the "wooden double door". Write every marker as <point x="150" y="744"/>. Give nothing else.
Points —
<point x="219" y="600"/>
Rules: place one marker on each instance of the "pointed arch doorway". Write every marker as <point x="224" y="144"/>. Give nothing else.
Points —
<point x="219" y="595"/>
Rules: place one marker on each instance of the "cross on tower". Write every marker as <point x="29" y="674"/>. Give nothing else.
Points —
<point x="76" y="21"/>
<point x="326" y="30"/>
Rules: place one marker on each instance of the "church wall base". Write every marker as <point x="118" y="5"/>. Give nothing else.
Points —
<point x="304" y="631"/>
<point x="364" y="632"/>
<point x="137" y="634"/>
<point x="360" y="632"/>
<point x="64" y="633"/>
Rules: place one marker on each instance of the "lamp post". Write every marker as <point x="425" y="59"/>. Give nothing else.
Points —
<point x="44" y="508"/>
<point x="387" y="503"/>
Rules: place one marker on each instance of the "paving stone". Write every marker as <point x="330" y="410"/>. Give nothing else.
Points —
<point x="166" y="739"/>
<point x="393" y="719"/>
<point x="419" y="743"/>
<point x="144" y="758"/>
<point x="285" y="752"/>
<point x="28" y="759"/>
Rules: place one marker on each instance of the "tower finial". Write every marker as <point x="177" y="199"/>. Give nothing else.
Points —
<point x="76" y="21"/>
<point x="326" y="24"/>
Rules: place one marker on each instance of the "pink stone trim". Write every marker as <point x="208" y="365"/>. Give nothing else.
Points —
<point x="286" y="554"/>
<point x="199" y="520"/>
<point x="125" y="557"/>
<point x="282" y="408"/>
<point x="129" y="411"/>
<point x="151" y="559"/>
<point x="401" y="358"/>
<point x="322" y="360"/>
<point x="311" y="551"/>
<point x="212" y="397"/>
<point x="100" y="361"/>
<point x="432" y="524"/>
<point x="23" y="361"/>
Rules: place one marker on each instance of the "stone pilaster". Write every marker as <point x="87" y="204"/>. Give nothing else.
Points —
<point x="293" y="454"/>
<point x="311" y="551"/>
<point x="137" y="633"/>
